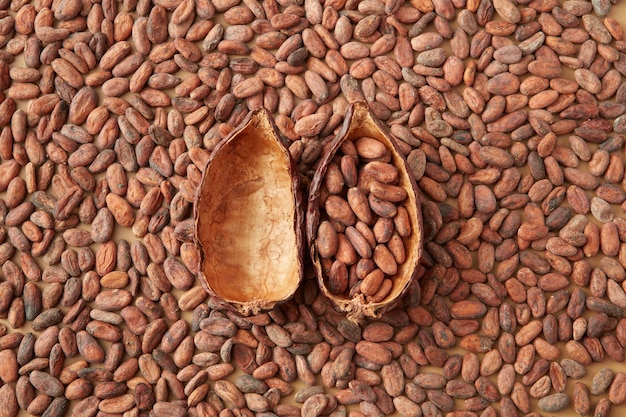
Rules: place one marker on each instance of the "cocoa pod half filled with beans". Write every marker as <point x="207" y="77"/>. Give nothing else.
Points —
<point x="364" y="223"/>
<point x="249" y="220"/>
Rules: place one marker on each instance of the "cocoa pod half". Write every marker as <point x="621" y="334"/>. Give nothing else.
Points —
<point x="360" y="285"/>
<point x="249" y="219"/>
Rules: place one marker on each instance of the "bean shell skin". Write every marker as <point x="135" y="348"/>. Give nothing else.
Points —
<point x="554" y="402"/>
<point x="361" y="123"/>
<point x="326" y="240"/>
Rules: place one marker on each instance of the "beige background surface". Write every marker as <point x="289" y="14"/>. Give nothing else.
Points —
<point x="619" y="13"/>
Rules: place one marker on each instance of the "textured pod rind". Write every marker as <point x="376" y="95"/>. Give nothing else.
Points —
<point x="359" y="121"/>
<point x="248" y="219"/>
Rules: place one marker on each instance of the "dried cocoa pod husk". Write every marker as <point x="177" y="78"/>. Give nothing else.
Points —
<point x="249" y="219"/>
<point x="360" y="122"/>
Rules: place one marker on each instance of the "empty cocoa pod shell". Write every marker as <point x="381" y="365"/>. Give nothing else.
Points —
<point x="364" y="224"/>
<point x="249" y="219"/>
